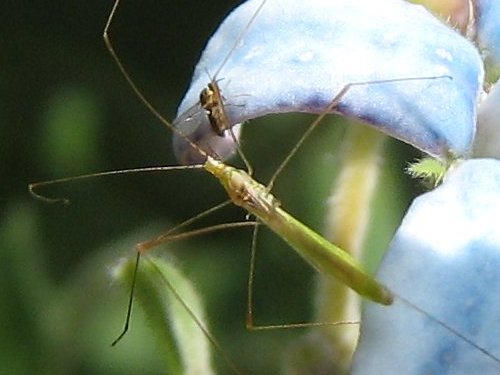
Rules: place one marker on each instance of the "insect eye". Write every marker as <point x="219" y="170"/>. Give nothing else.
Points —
<point x="204" y="95"/>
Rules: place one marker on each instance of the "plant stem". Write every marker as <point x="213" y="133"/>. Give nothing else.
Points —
<point x="347" y="222"/>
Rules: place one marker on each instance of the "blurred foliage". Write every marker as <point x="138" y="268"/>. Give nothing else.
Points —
<point x="66" y="110"/>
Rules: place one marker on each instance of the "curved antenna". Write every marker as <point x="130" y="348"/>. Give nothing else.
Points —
<point x="43" y="198"/>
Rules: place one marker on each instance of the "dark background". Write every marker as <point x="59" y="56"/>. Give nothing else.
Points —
<point x="65" y="111"/>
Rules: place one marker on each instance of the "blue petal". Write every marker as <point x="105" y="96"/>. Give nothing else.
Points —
<point x="488" y="30"/>
<point x="297" y="55"/>
<point x="487" y="142"/>
<point x="445" y="259"/>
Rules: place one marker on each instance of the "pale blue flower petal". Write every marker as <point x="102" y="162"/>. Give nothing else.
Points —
<point x="445" y="259"/>
<point x="488" y="30"/>
<point x="487" y="142"/>
<point x="297" y="55"/>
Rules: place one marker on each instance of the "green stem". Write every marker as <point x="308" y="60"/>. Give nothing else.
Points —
<point x="349" y="211"/>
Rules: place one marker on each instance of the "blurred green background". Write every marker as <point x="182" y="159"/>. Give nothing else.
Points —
<point x="66" y="111"/>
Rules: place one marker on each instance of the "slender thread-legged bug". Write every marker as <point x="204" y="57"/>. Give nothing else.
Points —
<point x="255" y="198"/>
<point x="258" y="201"/>
<point x="262" y="208"/>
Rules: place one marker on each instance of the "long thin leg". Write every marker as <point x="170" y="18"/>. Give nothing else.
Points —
<point x="130" y="301"/>
<point x="141" y="247"/>
<point x="250" y="323"/>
